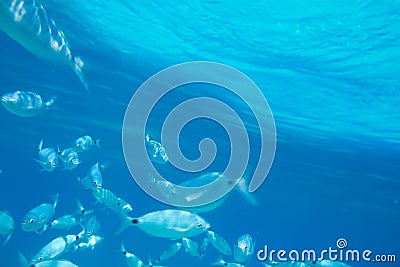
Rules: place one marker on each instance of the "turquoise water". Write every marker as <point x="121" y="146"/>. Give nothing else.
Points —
<point x="330" y="73"/>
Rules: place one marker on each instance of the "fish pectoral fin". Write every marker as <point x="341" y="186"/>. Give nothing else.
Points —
<point x="7" y="239"/>
<point x="41" y="230"/>
<point x="41" y="163"/>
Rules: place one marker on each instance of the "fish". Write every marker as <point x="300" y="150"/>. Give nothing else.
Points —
<point x="89" y="242"/>
<point x="169" y="223"/>
<point x="156" y="151"/>
<point x="26" y="104"/>
<point x="228" y="264"/>
<point x="131" y="259"/>
<point x="91" y="226"/>
<point x="170" y="251"/>
<point x="111" y="201"/>
<point x="166" y="188"/>
<point x="38" y="217"/>
<point x="85" y="143"/>
<point x="204" y="245"/>
<point x="94" y="179"/>
<point x="49" y="263"/>
<point x="47" y="158"/>
<point x="29" y="24"/>
<point x="53" y="249"/>
<point x="191" y="247"/>
<point x="70" y="220"/>
<point x="69" y="158"/>
<point x="7" y="226"/>
<point x="218" y="242"/>
<point x="209" y="177"/>
<point x="243" y="249"/>
<point x="64" y="222"/>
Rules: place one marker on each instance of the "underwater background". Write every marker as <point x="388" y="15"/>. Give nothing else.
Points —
<point x="329" y="70"/>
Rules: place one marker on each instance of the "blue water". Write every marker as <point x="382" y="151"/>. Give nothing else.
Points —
<point x="329" y="70"/>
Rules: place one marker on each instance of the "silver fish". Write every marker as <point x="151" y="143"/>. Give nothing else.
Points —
<point x="207" y="178"/>
<point x="156" y="151"/>
<point x="172" y="224"/>
<point x="165" y="187"/>
<point x="170" y="251"/>
<point x="191" y="247"/>
<point x="89" y="242"/>
<point x="25" y="104"/>
<point x="64" y="222"/>
<point x="38" y="217"/>
<point x="70" y="220"/>
<point x="85" y="143"/>
<point x="94" y="179"/>
<point x="204" y="245"/>
<point x="91" y="226"/>
<point x="7" y="226"/>
<point x="131" y="259"/>
<point x="47" y="157"/>
<point x="218" y="242"/>
<point x="48" y="263"/>
<point x="69" y="158"/>
<point x="243" y="249"/>
<point x="53" y="249"/>
<point x="28" y="23"/>
<point x="111" y="201"/>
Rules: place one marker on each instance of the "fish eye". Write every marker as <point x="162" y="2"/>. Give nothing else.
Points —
<point x="77" y="237"/>
<point x="199" y="225"/>
<point x="31" y="220"/>
<point x="40" y="258"/>
<point x="135" y="221"/>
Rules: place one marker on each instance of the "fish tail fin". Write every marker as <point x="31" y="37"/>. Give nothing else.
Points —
<point x="23" y="260"/>
<point x="249" y="197"/>
<point x="7" y="238"/>
<point x="50" y="102"/>
<point x="123" y="250"/>
<point x="56" y="199"/>
<point x="45" y="227"/>
<point x="78" y="69"/>
<point x="97" y="143"/>
<point x="40" y="145"/>
<point x="126" y="222"/>
<point x="150" y="263"/>
<point x="219" y="261"/>
<point x="81" y="209"/>
<point x="82" y="181"/>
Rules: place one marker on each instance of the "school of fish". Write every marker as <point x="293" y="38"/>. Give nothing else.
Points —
<point x="29" y="24"/>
